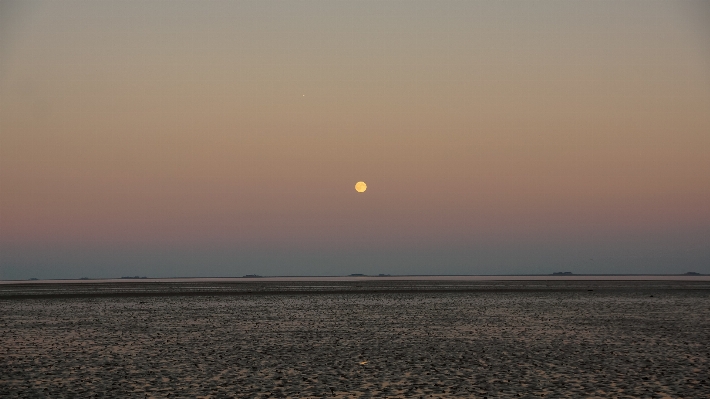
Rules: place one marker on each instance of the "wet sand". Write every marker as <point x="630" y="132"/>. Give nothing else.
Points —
<point x="357" y="340"/>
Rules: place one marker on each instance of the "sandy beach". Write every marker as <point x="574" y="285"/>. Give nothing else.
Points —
<point x="357" y="339"/>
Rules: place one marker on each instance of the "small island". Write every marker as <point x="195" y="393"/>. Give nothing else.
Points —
<point x="562" y="273"/>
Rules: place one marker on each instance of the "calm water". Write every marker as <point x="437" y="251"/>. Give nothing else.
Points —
<point x="388" y="278"/>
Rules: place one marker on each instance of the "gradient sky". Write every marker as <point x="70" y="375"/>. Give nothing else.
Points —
<point x="225" y="138"/>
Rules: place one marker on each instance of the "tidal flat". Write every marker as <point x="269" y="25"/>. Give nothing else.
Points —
<point x="357" y="339"/>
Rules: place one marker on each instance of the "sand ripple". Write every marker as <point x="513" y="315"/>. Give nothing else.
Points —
<point x="363" y="345"/>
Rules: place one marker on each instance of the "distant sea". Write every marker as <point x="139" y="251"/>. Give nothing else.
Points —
<point x="536" y="277"/>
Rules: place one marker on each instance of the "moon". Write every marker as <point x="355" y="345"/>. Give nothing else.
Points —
<point x="360" y="187"/>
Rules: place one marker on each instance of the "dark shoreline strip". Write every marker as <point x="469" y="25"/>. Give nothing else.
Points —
<point x="339" y="292"/>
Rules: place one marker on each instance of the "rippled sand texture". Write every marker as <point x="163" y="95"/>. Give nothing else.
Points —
<point x="433" y="345"/>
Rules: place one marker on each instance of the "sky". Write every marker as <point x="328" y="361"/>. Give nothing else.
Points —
<point x="168" y="139"/>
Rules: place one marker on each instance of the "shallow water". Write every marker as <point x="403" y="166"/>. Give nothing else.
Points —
<point x="610" y="342"/>
<point x="327" y="279"/>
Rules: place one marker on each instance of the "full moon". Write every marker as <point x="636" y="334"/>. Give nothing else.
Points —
<point x="360" y="187"/>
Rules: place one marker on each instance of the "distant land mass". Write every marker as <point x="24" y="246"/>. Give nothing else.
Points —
<point x="562" y="273"/>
